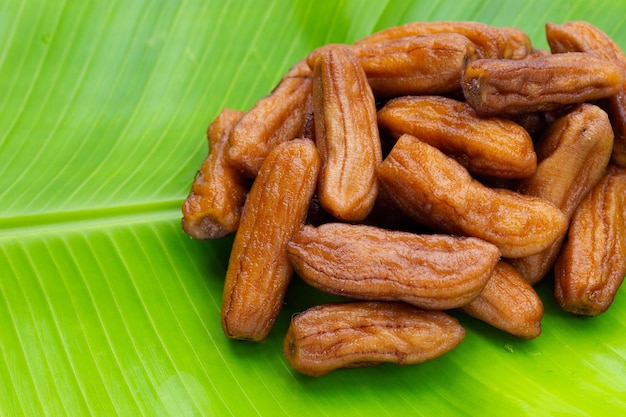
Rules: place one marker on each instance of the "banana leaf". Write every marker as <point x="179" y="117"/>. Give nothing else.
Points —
<point x="108" y="308"/>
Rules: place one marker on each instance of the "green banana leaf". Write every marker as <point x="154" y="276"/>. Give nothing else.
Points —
<point x="108" y="308"/>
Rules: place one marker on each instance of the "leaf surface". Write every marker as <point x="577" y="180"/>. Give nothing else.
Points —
<point x="107" y="308"/>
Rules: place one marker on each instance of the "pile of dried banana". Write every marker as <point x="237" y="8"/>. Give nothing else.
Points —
<point x="427" y="167"/>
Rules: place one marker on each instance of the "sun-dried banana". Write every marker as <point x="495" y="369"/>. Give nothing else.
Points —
<point x="437" y="191"/>
<point x="365" y="333"/>
<point x="258" y="270"/>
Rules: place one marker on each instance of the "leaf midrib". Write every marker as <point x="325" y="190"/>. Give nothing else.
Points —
<point x="90" y="218"/>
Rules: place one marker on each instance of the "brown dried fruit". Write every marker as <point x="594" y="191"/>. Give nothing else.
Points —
<point x="370" y="263"/>
<point x="365" y="333"/>
<point x="437" y="191"/>
<point x="258" y="270"/>
<point x="499" y="86"/>
<point x="431" y="64"/>
<point x="490" y="41"/>
<point x="213" y="206"/>
<point x="485" y="146"/>
<point x="592" y="263"/>
<point x="617" y="108"/>
<point x="346" y="134"/>
<point x="573" y="154"/>
<point x="580" y="36"/>
<point x="508" y="302"/>
<point x="276" y="118"/>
